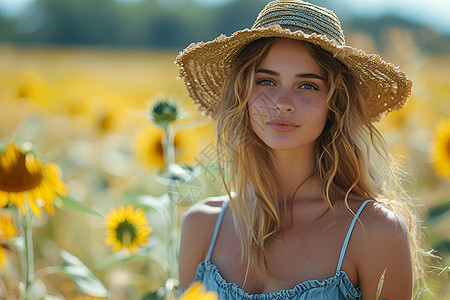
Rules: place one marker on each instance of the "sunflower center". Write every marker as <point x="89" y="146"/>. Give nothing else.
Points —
<point x="18" y="178"/>
<point x="158" y="149"/>
<point x="126" y="232"/>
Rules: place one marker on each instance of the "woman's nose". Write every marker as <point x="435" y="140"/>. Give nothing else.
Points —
<point x="284" y="108"/>
<point x="284" y="105"/>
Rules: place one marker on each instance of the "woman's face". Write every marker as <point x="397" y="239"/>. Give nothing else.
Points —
<point x="287" y="106"/>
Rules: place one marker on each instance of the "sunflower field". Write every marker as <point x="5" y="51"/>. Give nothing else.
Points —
<point x="102" y="151"/>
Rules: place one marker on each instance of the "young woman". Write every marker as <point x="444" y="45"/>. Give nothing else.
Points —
<point x="313" y="210"/>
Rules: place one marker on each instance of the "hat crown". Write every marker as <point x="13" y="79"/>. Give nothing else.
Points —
<point x="299" y="15"/>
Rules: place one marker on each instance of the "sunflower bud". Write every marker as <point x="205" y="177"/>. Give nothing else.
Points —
<point x="164" y="112"/>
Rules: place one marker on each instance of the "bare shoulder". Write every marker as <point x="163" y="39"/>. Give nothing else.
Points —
<point x="381" y="230"/>
<point x="197" y="228"/>
<point x="199" y="220"/>
<point x="375" y="222"/>
<point x="385" y="249"/>
<point x="203" y="212"/>
<point x="382" y="224"/>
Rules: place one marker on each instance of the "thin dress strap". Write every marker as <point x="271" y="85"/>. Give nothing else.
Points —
<point x="216" y="229"/>
<point x="349" y="233"/>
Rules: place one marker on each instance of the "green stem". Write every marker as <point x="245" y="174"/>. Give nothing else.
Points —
<point x="28" y="257"/>
<point x="172" y="226"/>
<point x="170" y="148"/>
<point x="172" y="243"/>
<point x="174" y="248"/>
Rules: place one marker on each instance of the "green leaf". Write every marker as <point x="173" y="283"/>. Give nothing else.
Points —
<point x="73" y="204"/>
<point x="85" y="281"/>
<point x="380" y="284"/>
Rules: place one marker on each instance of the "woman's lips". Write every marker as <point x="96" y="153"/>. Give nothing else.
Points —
<point x="283" y="125"/>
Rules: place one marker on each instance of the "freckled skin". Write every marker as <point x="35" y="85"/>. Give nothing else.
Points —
<point x="281" y="91"/>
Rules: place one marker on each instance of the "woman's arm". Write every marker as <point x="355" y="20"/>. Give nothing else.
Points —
<point x="386" y="249"/>
<point x="196" y="233"/>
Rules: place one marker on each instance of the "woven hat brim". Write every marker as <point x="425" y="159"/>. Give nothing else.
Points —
<point x="204" y="66"/>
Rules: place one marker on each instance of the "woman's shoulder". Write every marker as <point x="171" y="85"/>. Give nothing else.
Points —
<point x="376" y="226"/>
<point x="384" y="251"/>
<point x="382" y="222"/>
<point x="200" y="218"/>
<point x="197" y="229"/>
<point x="381" y="243"/>
<point x="203" y="211"/>
<point x="382" y="233"/>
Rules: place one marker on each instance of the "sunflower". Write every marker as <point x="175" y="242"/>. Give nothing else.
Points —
<point x="32" y="85"/>
<point x="7" y="233"/>
<point x="148" y="148"/>
<point x="440" y="149"/>
<point x="188" y="144"/>
<point x="127" y="228"/>
<point x="197" y="291"/>
<point x="24" y="178"/>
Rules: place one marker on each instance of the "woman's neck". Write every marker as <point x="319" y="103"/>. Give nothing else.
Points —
<point x="295" y="174"/>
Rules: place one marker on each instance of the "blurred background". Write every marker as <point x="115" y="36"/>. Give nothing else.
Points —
<point x="77" y="78"/>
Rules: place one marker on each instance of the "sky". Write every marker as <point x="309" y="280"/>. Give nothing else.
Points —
<point x="434" y="13"/>
<point x="430" y="12"/>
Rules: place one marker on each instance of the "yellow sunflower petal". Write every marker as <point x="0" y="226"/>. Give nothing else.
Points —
<point x="129" y="212"/>
<point x="2" y="258"/>
<point x="45" y="194"/>
<point x="53" y="176"/>
<point x="46" y="191"/>
<point x="197" y="291"/>
<point x="4" y="199"/>
<point x="10" y="157"/>
<point x="32" y="165"/>
<point x="190" y="142"/>
<point x="440" y="152"/>
<point x="116" y="247"/>
<point x="40" y="183"/>
<point x="110" y="240"/>
<point x="141" y="240"/>
<point x="35" y="195"/>
<point x="110" y="223"/>
<point x="126" y="228"/>
<point x="18" y="199"/>
<point x="49" y="208"/>
<point x="53" y="169"/>
<point x="113" y="218"/>
<point x="7" y="228"/>
<point x="148" y="149"/>
<point x="35" y="209"/>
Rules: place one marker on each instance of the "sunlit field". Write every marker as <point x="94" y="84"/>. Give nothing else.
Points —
<point x="87" y="110"/>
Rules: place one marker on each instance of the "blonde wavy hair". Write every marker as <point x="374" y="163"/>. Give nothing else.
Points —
<point x="351" y="156"/>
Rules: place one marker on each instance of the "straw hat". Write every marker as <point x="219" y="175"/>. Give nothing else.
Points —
<point x="204" y="66"/>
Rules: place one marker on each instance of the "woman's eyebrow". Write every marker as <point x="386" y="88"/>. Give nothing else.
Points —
<point x="268" y="72"/>
<point x="309" y="75"/>
<point x="299" y="75"/>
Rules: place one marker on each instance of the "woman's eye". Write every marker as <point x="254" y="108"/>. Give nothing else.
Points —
<point x="264" y="81"/>
<point x="309" y="86"/>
